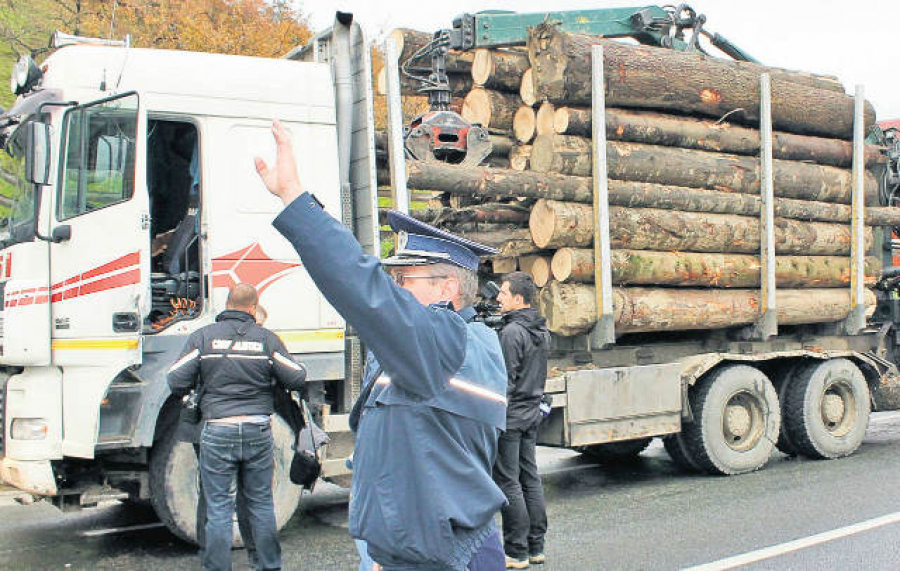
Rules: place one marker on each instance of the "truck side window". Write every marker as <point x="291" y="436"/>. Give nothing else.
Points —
<point x="99" y="156"/>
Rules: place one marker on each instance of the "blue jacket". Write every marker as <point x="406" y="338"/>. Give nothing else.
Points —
<point x="422" y="497"/>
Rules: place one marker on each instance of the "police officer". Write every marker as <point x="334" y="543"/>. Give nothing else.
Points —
<point x="233" y="365"/>
<point x="434" y="401"/>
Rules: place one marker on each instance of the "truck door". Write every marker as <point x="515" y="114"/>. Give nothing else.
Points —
<point x="99" y="274"/>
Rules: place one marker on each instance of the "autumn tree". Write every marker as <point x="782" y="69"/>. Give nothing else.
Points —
<point x="241" y="27"/>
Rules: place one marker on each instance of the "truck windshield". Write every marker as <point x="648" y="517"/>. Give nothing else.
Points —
<point x="17" y="194"/>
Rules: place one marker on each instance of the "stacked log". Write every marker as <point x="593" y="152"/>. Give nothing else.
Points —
<point x="684" y="182"/>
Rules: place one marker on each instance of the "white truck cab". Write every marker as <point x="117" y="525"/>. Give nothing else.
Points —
<point x="137" y="208"/>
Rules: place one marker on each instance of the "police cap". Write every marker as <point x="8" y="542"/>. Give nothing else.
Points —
<point x="419" y="243"/>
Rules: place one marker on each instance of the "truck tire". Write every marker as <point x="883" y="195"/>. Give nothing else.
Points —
<point x="678" y="452"/>
<point x="174" y="482"/>
<point x="826" y="409"/>
<point x="624" y="450"/>
<point x="784" y="377"/>
<point x="736" y="421"/>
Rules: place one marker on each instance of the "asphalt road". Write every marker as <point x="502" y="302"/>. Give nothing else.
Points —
<point x="794" y="514"/>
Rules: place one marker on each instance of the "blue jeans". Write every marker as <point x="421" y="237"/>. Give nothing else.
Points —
<point x="242" y="517"/>
<point x="226" y="452"/>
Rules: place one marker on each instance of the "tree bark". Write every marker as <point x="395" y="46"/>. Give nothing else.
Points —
<point x="571" y="309"/>
<point x="492" y="212"/>
<point x="518" y="157"/>
<point x="409" y="41"/>
<point x="496" y="183"/>
<point x="559" y="224"/>
<point x="500" y="70"/>
<point x="524" y="124"/>
<point x="490" y="109"/>
<point x="460" y="84"/>
<point x="653" y="78"/>
<point x="646" y="267"/>
<point x="526" y="89"/>
<point x="567" y="154"/>
<point x="544" y="119"/>
<point x="497" y="238"/>
<point x="705" y="135"/>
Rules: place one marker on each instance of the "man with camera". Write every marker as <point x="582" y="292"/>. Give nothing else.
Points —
<point x="526" y="345"/>
<point x="230" y="369"/>
<point x="434" y="401"/>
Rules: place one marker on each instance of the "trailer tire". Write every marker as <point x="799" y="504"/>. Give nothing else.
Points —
<point x="783" y="381"/>
<point x="174" y="482"/>
<point x="736" y="422"/>
<point x="826" y="409"/>
<point x="678" y="452"/>
<point x="624" y="450"/>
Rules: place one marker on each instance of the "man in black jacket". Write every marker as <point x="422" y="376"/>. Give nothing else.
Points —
<point x="233" y="365"/>
<point x="526" y="344"/>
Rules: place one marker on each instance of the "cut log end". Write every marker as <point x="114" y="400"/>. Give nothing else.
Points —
<point x="542" y="221"/>
<point x="477" y="107"/>
<point x="526" y="89"/>
<point x="524" y="124"/>
<point x="540" y="270"/>
<point x="561" y="120"/>
<point x="545" y="119"/>
<point x="561" y="264"/>
<point x="482" y="67"/>
<point x="518" y="157"/>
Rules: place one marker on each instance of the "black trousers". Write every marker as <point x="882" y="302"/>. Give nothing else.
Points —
<point x="516" y="472"/>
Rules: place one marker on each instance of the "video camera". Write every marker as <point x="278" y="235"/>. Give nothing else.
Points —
<point x="488" y="308"/>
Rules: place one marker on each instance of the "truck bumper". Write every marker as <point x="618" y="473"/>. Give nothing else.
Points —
<point x="34" y="477"/>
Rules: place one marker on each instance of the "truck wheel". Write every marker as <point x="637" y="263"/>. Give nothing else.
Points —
<point x="174" y="482"/>
<point x="625" y="450"/>
<point x="783" y="380"/>
<point x="826" y="409"/>
<point x="736" y="421"/>
<point x="678" y="452"/>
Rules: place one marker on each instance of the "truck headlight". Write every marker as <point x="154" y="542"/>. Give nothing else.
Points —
<point x="28" y="429"/>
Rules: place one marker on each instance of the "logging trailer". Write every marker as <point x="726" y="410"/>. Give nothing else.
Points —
<point x="138" y="207"/>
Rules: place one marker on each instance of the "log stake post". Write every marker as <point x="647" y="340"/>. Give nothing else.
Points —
<point x="767" y="325"/>
<point x="856" y="321"/>
<point x="603" y="333"/>
<point x="396" y="151"/>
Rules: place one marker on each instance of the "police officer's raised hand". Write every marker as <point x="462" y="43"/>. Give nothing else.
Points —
<point x="282" y="181"/>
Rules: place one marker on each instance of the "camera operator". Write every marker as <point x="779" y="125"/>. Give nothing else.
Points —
<point x="526" y="344"/>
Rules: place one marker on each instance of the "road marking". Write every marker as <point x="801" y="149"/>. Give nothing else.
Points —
<point x="797" y="544"/>
<point x="112" y="530"/>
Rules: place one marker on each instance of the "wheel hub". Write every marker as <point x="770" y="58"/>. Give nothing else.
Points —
<point x="743" y="421"/>
<point x="737" y="421"/>
<point x="832" y="409"/>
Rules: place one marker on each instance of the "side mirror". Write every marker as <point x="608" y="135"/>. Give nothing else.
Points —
<point x="61" y="233"/>
<point x="37" y="153"/>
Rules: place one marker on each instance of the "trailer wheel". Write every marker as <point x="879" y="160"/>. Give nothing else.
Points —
<point x="736" y="423"/>
<point x="827" y="408"/>
<point x="783" y="381"/>
<point x="174" y="482"/>
<point x="625" y="450"/>
<point x="678" y="452"/>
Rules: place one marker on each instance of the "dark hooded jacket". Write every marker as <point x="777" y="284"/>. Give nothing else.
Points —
<point x="526" y="343"/>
